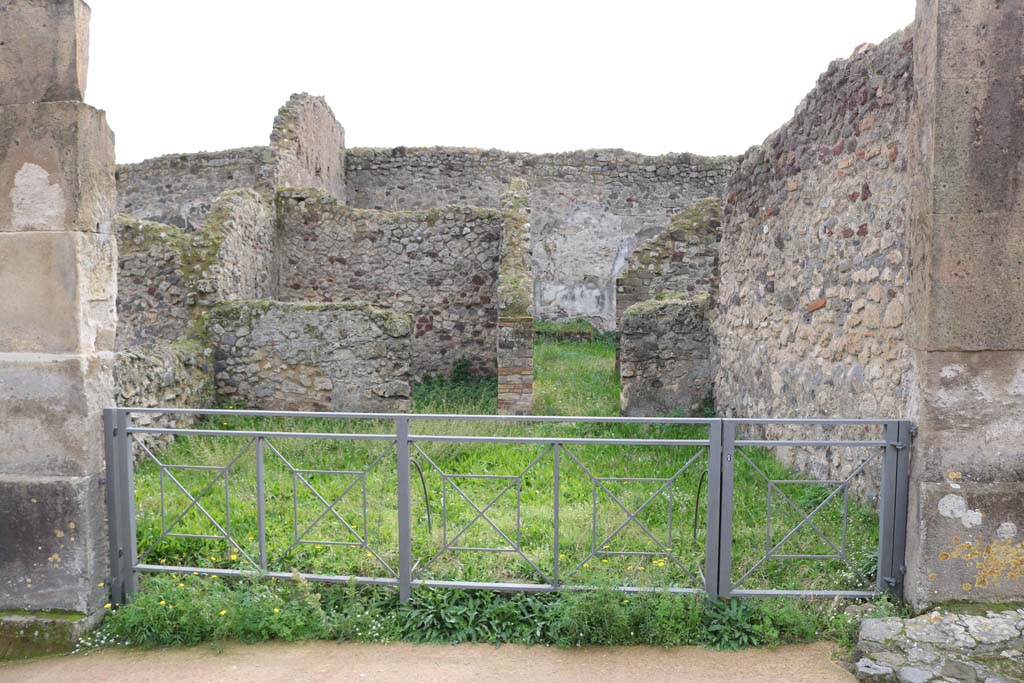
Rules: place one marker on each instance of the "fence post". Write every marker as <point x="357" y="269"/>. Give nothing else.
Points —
<point x="725" y="516"/>
<point x="886" y="580"/>
<point x="120" y="505"/>
<point x="899" y="534"/>
<point x="404" y="510"/>
<point x="557" y="495"/>
<point x="114" y="494"/>
<point x="261" y="511"/>
<point x="714" y="501"/>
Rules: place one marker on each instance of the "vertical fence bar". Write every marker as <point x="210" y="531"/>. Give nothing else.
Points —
<point x="125" y="466"/>
<point x="557" y="494"/>
<point x="899" y="542"/>
<point x="404" y="510"/>
<point x="114" y="496"/>
<point x="887" y="509"/>
<point x="725" y="516"/>
<point x="714" y="498"/>
<point x="261" y="511"/>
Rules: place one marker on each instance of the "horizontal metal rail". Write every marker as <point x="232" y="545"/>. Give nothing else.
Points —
<point x="717" y="454"/>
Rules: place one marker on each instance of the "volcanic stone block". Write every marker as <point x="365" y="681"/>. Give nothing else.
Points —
<point x="64" y="289"/>
<point x="54" y="551"/>
<point x="44" y="50"/>
<point x="56" y="168"/>
<point x="52" y="415"/>
<point x="973" y="542"/>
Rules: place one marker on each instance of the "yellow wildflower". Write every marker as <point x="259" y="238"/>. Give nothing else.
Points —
<point x="223" y="612"/>
<point x="106" y="606"/>
<point x="101" y="584"/>
<point x="276" y="610"/>
<point x="604" y="560"/>
<point x="181" y="585"/>
<point x="625" y="601"/>
<point x="234" y="557"/>
<point x="163" y="602"/>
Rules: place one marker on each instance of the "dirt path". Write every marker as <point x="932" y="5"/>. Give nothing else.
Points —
<point x="319" y="661"/>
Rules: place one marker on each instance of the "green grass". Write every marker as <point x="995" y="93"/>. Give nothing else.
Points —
<point x="573" y="378"/>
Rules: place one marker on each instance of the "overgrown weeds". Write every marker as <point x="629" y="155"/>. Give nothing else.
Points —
<point x="186" y="610"/>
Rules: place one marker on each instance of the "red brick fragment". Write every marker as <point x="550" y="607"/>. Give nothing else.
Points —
<point x="817" y="305"/>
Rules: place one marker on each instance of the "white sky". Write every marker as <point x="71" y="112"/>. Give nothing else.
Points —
<point x="704" y="76"/>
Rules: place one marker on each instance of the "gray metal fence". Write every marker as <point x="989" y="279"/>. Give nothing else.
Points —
<point x="631" y="514"/>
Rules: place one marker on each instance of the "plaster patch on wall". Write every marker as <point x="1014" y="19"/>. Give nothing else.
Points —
<point x="953" y="506"/>
<point x="1017" y="385"/>
<point x="37" y="204"/>
<point x="952" y="371"/>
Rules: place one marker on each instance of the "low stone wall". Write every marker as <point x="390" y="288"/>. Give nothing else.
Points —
<point x="590" y="209"/>
<point x="943" y="646"/>
<point x="300" y="356"/>
<point x="163" y="375"/>
<point x="664" y="360"/>
<point x="168" y="277"/>
<point x="683" y="258"/>
<point x="441" y="266"/>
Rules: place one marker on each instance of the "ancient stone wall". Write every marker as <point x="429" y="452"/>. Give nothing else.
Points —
<point x="308" y="145"/>
<point x="300" y="356"/>
<point x="682" y="259"/>
<point x="589" y="209"/>
<point x="180" y="189"/>
<point x="813" y="259"/>
<point x="307" y="149"/>
<point x="665" y="364"/>
<point x="439" y="265"/>
<point x="170" y="276"/>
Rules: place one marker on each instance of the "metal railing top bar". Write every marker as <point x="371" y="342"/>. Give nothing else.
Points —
<point x="421" y="437"/>
<point x="806" y="421"/>
<point x="418" y="416"/>
<point x="263" y="434"/>
<point x="579" y="441"/>
<point x="504" y="418"/>
<point x="808" y="443"/>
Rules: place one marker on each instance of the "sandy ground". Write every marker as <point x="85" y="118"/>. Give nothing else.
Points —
<point x="358" y="663"/>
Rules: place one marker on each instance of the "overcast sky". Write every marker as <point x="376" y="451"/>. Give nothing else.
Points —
<point x="704" y="76"/>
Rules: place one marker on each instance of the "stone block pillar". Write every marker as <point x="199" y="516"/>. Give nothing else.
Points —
<point x="515" y="305"/>
<point x="58" y="270"/>
<point x="966" y="537"/>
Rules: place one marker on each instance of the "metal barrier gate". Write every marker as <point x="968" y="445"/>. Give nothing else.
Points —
<point x="619" y="511"/>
